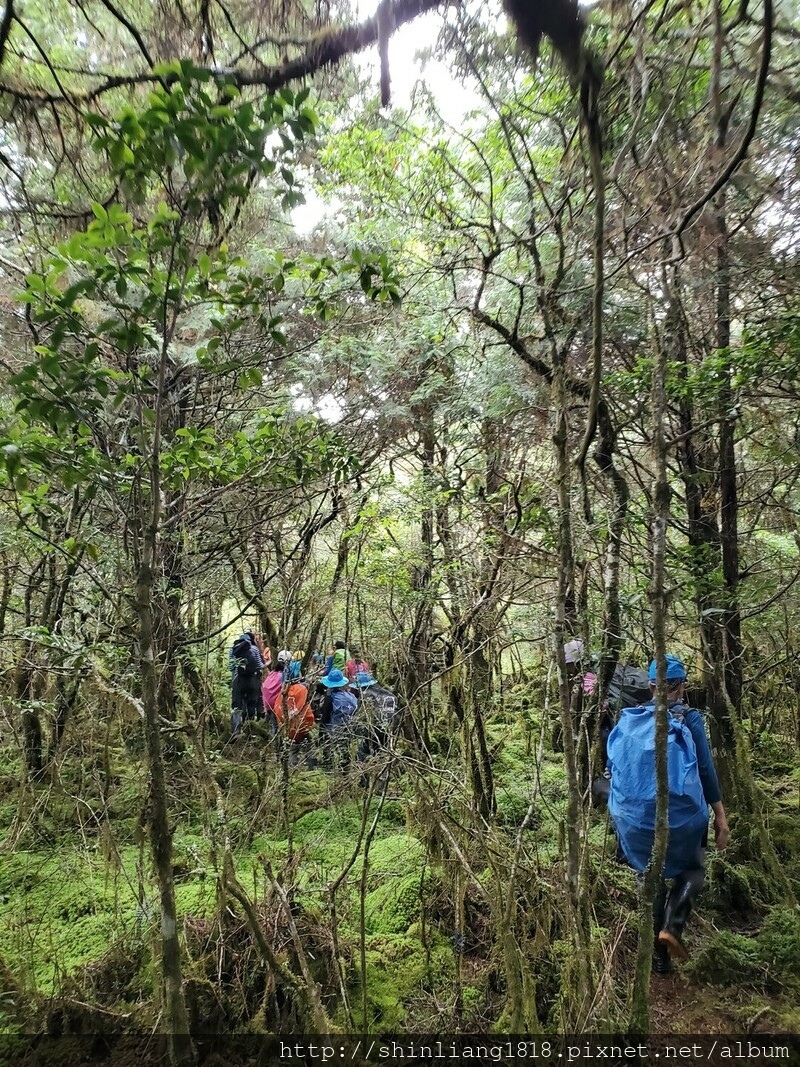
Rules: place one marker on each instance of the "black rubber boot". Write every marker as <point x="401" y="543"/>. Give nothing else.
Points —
<point x="659" y="908"/>
<point x="676" y="914"/>
<point x="662" y="964"/>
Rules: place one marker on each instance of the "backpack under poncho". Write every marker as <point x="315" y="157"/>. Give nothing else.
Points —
<point x="380" y="707"/>
<point x="632" y="800"/>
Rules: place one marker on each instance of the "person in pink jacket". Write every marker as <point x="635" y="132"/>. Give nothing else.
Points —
<point x="272" y="683"/>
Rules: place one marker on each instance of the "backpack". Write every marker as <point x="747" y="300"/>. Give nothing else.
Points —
<point x="340" y="657"/>
<point x="380" y="706"/>
<point x="632" y="800"/>
<point x="343" y="707"/>
<point x="246" y="661"/>
<point x="629" y="687"/>
<point x="301" y="719"/>
<point x="354" y="667"/>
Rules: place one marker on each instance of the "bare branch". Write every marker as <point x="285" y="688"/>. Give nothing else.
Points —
<point x="5" y="28"/>
<point x="326" y="50"/>
<point x="118" y="15"/>
<point x="741" y="152"/>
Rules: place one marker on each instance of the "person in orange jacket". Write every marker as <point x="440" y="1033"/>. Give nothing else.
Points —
<point x="295" y="719"/>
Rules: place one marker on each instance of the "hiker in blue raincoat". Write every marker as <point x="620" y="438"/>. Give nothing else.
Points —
<point x="693" y="788"/>
<point x="337" y="718"/>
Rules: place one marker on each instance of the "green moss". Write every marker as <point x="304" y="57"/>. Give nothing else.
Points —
<point x="398" y="971"/>
<point x="67" y="915"/>
<point x="394" y="905"/>
<point x="784" y="832"/>
<point x="615" y="890"/>
<point x="512" y="805"/>
<point x="327" y="823"/>
<point x="472" y="998"/>
<point x="731" y="886"/>
<point x="395" y="853"/>
<point x="770" y="961"/>
<point x="63" y="911"/>
<point x="778" y="943"/>
<point x="238" y="778"/>
<point x="20" y="872"/>
<point x="196" y="898"/>
<point x="553" y="781"/>
<point x="770" y="755"/>
<point x="394" y="813"/>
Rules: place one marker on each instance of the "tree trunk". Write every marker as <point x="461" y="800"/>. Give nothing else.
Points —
<point x="579" y="923"/>
<point x="31" y="723"/>
<point x="640" y="1000"/>
<point x="417" y="669"/>
<point x="728" y="490"/>
<point x="176" y="1023"/>
<point x="150" y="609"/>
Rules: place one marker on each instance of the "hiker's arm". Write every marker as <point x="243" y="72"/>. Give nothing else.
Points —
<point x="705" y="761"/>
<point x="721" y="831"/>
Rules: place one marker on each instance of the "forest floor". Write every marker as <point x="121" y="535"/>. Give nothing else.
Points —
<point x="78" y="907"/>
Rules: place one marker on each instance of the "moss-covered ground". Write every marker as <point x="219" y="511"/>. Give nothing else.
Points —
<point x="79" y="908"/>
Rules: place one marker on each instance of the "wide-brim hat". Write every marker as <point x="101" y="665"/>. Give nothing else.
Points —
<point x="335" y="679"/>
<point x="364" y="680"/>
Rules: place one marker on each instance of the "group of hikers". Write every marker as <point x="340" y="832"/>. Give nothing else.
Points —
<point x="337" y="699"/>
<point x="628" y="784"/>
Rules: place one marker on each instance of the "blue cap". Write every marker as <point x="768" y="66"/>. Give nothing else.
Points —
<point x="335" y="679"/>
<point x="676" y="672"/>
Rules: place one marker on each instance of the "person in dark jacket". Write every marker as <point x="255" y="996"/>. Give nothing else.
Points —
<point x="671" y="909"/>
<point x="378" y="715"/>
<point x="246" y="664"/>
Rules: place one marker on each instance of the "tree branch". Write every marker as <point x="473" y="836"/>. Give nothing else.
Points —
<point x="118" y="15"/>
<point x="5" y="28"/>
<point x="328" y="49"/>
<point x="741" y="152"/>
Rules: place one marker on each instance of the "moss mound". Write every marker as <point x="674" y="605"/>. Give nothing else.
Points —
<point x="770" y="961"/>
<point x="726" y="960"/>
<point x="779" y="943"/>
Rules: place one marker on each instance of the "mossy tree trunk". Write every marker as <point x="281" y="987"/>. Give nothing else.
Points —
<point x="417" y="667"/>
<point x="150" y="621"/>
<point x="581" y="993"/>
<point x="176" y="1023"/>
<point x="640" y="1000"/>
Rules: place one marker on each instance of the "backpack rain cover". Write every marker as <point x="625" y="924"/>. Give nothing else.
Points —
<point x="632" y="801"/>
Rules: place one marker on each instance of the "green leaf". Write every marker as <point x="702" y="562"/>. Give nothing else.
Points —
<point x="164" y="70"/>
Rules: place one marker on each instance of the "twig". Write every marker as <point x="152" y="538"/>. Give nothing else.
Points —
<point x="741" y="152"/>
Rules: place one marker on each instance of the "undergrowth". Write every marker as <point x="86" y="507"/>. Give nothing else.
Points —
<point x="79" y="910"/>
